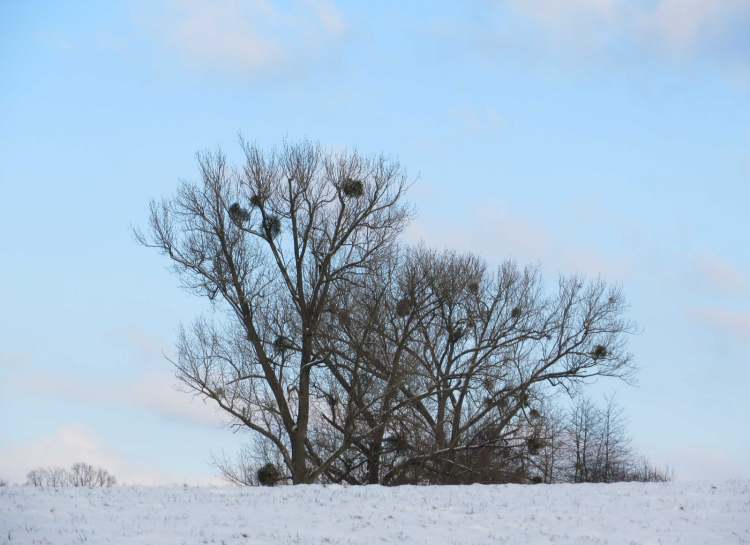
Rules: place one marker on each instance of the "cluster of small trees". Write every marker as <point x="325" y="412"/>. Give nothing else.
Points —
<point x="79" y="475"/>
<point x="588" y="443"/>
<point x="352" y="358"/>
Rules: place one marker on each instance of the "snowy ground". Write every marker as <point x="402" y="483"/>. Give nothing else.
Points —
<point x="684" y="513"/>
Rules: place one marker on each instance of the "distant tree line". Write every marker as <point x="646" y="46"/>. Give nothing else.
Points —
<point x="78" y="475"/>
<point x="353" y="358"/>
<point x="589" y="444"/>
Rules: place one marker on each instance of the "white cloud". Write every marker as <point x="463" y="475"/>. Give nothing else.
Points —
<point x="158" y="393"/>
<point x="73" y="443"/>
<point x="65" y="446"/>
<point x="499" y="234"/>
<point x="567" y="13"/>
<point x="684" y="24"/>
<point x="328" y="15"/>
<point x="145" y="347"/>
<point x="678" y="26"/>
<point x="725" y="321"/>
<point x="250" y="36"/>
<point x="154" y="392"/>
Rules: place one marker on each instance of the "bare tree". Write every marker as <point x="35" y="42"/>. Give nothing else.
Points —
<point x="491" y="347"/>
<point x="449" y="368"/>
<point x="366" y="345"/>
<point x="547" y="465"/>
<point x="51" y="477"/>
<point x="351" y="360"/>
<point x="104" y="479"/>
<point x="243" y="468"/>
<point x="80" y="474"/>
<point x="272" y="240"/>
<point x="595" y="447"/>
<point x="583" y="430"/>
<point x="35" y="477"/>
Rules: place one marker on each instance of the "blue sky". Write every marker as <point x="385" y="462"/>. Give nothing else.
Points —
<point x="606" y="137"/>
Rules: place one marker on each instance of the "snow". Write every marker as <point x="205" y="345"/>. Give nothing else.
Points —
<point x="625" y="513"/>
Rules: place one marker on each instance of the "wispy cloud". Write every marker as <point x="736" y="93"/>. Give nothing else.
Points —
<point x="671" y="26"/>
<point x="720" y="275"/>
<point x="65" y="446"/>
<point x="155" y="392"/>
<point x="728" y="322"/>
<point x="249" y="37"/>
<point x="683" y="25"/>
<point x="73" y="443"/>
<point x="14" y="360"/>
<point x="499" y="234"/>
<point x="566" y="14"/>
<point x="158" y="394"/>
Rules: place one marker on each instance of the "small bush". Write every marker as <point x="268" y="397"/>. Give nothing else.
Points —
<point x="269" y="475"/>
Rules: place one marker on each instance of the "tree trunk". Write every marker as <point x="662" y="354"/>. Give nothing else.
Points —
<point x="299" y="434"/>
<point x="373" y="462"/>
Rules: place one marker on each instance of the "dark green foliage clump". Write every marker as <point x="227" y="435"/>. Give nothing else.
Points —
<point x="281" y="344"/>
<point x="403" y="307"/>
<point x="269" y="475"/>
<point x="599" y="352"/>
<point x="257" y="200"/>
<point x="238" y="214"/>
<point x="272" y="226"/>
<point x="455" y="335"/>
<point x="535" y="444"/>
<point x="523" y="398"/>
<point x="397" y="442"/>
<point x="352" y="188"/>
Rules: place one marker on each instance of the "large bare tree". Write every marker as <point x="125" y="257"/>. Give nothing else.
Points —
<point x="450" y="365"/>
<point x="274" y="240"/>
<point x="492" y="348"/>
<point x="352" y="359"/>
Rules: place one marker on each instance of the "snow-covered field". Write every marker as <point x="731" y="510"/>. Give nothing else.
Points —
<point x="684" y="513"/>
